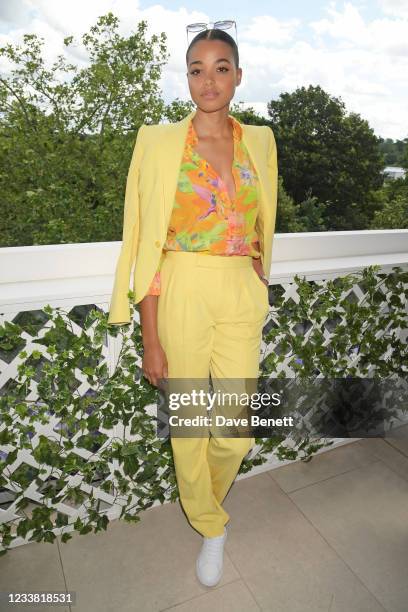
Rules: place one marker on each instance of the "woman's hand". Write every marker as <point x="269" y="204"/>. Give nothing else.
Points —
<point x="257" y="265"/>
<point x="154" y="363"/>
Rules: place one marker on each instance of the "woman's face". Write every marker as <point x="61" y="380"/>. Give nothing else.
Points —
<point x="212" y="74"/>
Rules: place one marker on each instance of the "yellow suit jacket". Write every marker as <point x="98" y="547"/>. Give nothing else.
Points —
<point x="150" y="189"/>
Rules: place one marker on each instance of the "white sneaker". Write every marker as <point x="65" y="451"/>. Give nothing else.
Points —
<point x="210" y="560"/>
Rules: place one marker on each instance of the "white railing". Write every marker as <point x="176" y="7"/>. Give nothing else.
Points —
<point x="73" y="274"/>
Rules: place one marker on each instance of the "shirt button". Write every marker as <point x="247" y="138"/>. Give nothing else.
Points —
<point x="157" y="243"/>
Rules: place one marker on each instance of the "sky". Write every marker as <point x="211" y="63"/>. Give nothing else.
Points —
<point x="356" y="50"/>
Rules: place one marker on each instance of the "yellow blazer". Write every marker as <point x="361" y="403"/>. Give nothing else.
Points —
<point x="150" y="189"/>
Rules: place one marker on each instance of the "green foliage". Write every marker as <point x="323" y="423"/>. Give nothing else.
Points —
<point x="105" y="439"/>
<point x="395" y="153"/>
<point x="66" y="139"/>
<point x="328" y="154"/>
<point x="393" y="214"/>
<point x="365" y="334"/>
<point x="317" y="160"/>
<point x="246" y="115"/>
<point x="287" y="214"/>
<point x="392" y="208"/>
<point x="177" y="110"/>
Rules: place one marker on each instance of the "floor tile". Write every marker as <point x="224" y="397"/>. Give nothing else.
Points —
<point x="284" y="561"/>
<point x="391" y="456"/>
<point x="30" y="568"/>
<point x="145" y="566"/>
<point x="233" y="597"/>
<point x="323" y="465"/>
<point x="363" y="514"/>
<point x="398" y="437"/>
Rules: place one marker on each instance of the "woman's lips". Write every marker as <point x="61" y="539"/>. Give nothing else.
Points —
<point x="210" y="95"/>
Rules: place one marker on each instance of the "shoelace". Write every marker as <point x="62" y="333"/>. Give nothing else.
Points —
<point x="212" y="546"/>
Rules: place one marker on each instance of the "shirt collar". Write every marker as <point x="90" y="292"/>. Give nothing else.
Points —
<point x="236" y="131"/>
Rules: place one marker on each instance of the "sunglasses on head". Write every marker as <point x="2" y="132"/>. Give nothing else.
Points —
<point x="226" y="24"/>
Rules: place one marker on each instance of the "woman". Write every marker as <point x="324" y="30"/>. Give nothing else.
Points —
<point x="199" y="220"/>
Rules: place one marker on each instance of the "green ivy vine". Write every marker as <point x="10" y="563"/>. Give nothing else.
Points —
<point x="76" y="460"/>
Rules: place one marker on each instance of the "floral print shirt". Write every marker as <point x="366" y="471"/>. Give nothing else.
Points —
<point x="204" y="218"/>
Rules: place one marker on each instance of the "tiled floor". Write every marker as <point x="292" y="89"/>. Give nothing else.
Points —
<point x="328" y="535"/>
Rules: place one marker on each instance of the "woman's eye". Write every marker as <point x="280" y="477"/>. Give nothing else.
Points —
<point x="197" y="71"/>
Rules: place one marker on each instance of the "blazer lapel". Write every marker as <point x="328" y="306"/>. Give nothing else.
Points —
<point x="173" y="153"/>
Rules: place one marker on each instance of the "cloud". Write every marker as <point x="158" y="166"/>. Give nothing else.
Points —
<point x="363" y="61"/>
<point x="14" y="12"/>
<point x="349" y="30"/>
<point x="398" y="8"/>
<point x="63" y="16"/>
<point x="366" y="62"/>
<point x="267" y="29"/>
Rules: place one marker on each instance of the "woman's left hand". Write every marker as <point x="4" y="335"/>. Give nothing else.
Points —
<point x="257" y="264"/>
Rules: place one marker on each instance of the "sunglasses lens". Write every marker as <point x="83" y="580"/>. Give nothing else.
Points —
<point x="196" y="27"/>
<point x="224" y="25"/>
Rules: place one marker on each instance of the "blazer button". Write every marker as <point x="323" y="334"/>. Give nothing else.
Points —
<point x="157" y="243"/>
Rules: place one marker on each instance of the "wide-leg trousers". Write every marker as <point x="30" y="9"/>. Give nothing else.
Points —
<point x="211" y="311"/>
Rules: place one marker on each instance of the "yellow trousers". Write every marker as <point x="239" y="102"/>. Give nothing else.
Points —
<point x="211" y="311"/>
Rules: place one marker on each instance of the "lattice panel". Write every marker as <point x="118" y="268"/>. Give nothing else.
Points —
<point x="25" y="468"/>
<point x="289" y="291"/>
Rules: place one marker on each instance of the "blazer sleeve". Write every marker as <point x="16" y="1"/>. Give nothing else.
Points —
<point x="272" y="166"/>
<point x="272" y="156"/>
<point x="119" y="309"/>
<point x="273" y="169"/>
<point x="155" y="285"/>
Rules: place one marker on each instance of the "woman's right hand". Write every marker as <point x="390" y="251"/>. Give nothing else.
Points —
<point x="154" y="363"/>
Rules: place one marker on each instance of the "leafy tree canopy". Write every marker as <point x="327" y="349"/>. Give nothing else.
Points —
<point x="327" y="153"/>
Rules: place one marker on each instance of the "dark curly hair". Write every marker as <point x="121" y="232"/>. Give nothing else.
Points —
<point x="216" y="34"/>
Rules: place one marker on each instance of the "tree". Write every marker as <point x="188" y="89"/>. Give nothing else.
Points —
<point x="67" y="134"/>
<point x="393" y="210"/>
<point x="328" y="154"/>
<point x="177" y="109"/>
<point x="395" y="153"/>
<point x="393" y="215"/>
